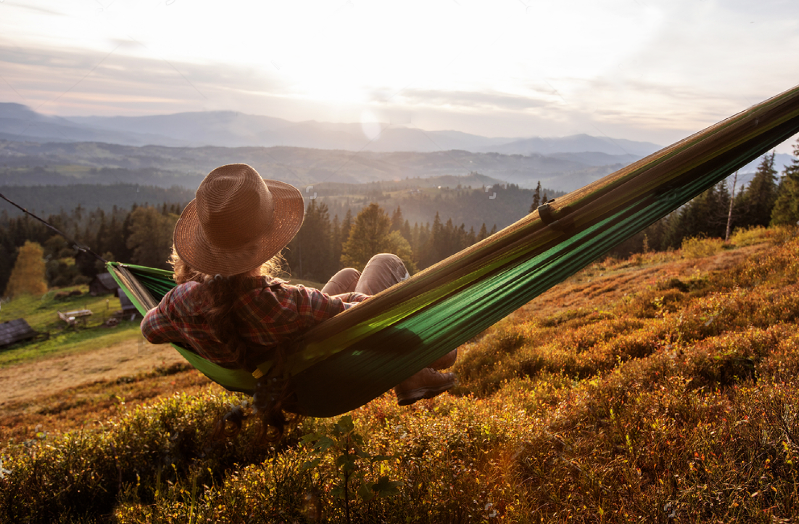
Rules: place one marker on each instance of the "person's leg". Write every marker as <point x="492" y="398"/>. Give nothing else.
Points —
<point x="381" y="272"/>
<point x="427" y="383"/>
<point x="342" y="282"/>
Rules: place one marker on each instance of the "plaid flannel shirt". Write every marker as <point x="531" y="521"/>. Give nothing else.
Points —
<point x="273" y="311"/>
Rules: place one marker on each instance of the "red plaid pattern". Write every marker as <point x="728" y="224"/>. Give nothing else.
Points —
<point x="273" y="311"/>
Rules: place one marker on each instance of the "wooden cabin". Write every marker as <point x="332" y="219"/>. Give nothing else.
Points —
<point x="103" y="284"/>
<point x="15" y="331"/>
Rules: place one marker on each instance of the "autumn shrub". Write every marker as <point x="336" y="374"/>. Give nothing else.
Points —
<point x="694" y="247"/>
<point x="27" y="276"/>
<point x="758" y="234"/>
<point x="86" y="471"/>
<point x="673" y="402"/>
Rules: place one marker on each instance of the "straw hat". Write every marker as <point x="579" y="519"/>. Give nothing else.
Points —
<point x="237" y="221"/>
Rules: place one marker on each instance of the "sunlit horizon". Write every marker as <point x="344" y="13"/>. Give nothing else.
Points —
<point x="638" y="70"/>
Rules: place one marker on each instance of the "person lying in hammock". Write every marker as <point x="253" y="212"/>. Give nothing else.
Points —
<point x="230" y="309"/>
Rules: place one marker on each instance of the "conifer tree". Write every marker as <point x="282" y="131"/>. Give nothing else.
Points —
<point x="536" y="197"/>
<point x="28" y="275"/>
<point x="471" y="238"/>
<point x="335" y="245"/>
<point x="367" y="237"/>
<point x="759" y="197"/>
<point x="346" y="225"/>
<point x="309" y="251"/>
<point x="483" y="234"/>
<point x="433" y="248"/>
<point x="786" y="205"/>
<point x="396" y="220"/>
<point x="406" y="231"/>
<point x="150" y="239"/>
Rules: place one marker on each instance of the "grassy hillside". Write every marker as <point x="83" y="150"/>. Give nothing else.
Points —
<point x="41" y="314"/>
<point x="662" y="388"/>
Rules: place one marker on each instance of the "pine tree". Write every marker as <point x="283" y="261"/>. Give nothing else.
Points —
<point x="483" y="234"/>
<point x="309" y="251"/>
<point x="346" y="225"/>
<point x="761" y="194"/>
<point x="536" y="197"/>
<point x="396" y="220"/>
<point x="367" y="237"/>
<point x="786" y="205"/>
<point x="704" y="216"/>
<point x="150" y="239"/>
<point x="27" y="277"/>
<point x="433" y="246"/>
<point x="406" y="231"/>
<point x="335" y="245"/>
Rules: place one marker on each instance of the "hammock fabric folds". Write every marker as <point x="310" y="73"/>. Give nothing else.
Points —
<point x="352" y="358"/>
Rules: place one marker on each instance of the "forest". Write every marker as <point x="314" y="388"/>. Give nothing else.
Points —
<point x="333" y="236"/>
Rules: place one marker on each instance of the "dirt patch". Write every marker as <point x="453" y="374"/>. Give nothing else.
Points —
<point x="89" y="390"/>
<point x="29" y="380"/>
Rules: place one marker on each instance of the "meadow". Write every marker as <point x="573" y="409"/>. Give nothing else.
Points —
<point x="41" y="313"/>
<point x="659" y="388"/>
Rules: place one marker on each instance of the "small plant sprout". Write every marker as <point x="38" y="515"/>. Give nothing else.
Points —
<point x="351" y="471"/>
<point x="3" y="471"/>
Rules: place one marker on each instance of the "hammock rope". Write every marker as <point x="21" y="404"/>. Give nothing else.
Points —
<point x="359" y="354"/>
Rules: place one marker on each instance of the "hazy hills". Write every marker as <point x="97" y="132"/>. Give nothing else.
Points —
<point x="179" y="149"/>
<point x="233" y="129"/>
<point x="99" y="163"/>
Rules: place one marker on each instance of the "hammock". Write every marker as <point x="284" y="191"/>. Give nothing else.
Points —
<point x="357" y="355"/>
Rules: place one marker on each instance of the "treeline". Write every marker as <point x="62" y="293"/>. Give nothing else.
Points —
<point x="45" y="200"/>
<point x="471" y="199"/>
<point x="325" y="245"/>
<point x="766" y="200"/>
<point x="493" y="203"/>
<point x="141" y="235"/>
<point x="329" y="241"/>
<point x="326" y="242"/>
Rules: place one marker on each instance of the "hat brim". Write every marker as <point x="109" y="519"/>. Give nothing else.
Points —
<point x="197" y="251"/>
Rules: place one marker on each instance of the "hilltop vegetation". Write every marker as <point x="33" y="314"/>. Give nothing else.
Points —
<point x="660" y="388"/>
<point x="143" y="234"/>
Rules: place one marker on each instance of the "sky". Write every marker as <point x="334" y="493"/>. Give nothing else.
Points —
<point x="636" y="69"/>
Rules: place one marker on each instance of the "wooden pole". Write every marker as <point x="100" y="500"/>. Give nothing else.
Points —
<point x="729" y="214"/>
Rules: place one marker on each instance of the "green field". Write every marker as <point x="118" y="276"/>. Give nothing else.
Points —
<point x="41" y="313"/>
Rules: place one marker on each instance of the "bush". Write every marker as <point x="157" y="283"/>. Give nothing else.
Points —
<point x="676" y="402"/>
<point x="694" y="247"/>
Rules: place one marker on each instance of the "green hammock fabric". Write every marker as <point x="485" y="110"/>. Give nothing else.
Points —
<point x="352" y="358"/>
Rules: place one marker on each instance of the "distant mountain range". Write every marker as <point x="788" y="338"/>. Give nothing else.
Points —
<point x="63" y="163"/>
<point x="233" y="129"/>
<point x="180" y="148"/>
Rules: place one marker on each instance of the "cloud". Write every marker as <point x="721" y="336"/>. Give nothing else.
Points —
<point x="655" y="71"/>
<point x="34" y="8"/>
<point x="466" y="100"/>
<point x="73" y="82"/>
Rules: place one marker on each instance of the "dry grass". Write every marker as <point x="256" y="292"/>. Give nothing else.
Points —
<point x="659" y="389"/>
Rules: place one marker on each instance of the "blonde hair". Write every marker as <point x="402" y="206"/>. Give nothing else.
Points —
<point x="273" y="268"/>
